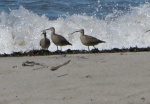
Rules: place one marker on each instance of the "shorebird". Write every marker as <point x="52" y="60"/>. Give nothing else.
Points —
<point x="45" y="42"/>
<point x="58" y="40"/>
<point x="88" y="40"/>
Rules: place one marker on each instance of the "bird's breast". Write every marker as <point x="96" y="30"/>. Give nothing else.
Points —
<point x="84" y="40"/>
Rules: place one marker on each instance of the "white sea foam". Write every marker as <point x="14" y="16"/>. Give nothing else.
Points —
<point x="20" y="30"/>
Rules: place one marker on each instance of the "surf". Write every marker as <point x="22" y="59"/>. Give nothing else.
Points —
<point x="20" y="29"/>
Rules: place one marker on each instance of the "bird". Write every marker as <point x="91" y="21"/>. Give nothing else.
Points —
<point x="57" y="39"/>
<point x="44" y="42"/>
<point x="88" y="40"/>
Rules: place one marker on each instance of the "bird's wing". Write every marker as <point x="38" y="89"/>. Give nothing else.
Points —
<point x="41" y="42"/>
<point x="61" y="38"/>
<point x="93" y="39"/>
<point x="48" y="41"/>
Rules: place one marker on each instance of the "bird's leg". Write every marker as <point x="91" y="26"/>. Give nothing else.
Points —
<point x="94" y="47"/>
<point x="88" y="48"/>
<point x="57" y="48"/>
<point x="61" y="48"/>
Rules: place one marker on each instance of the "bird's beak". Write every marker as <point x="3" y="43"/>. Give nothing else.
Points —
<point x="43" y="33"/>
<point x="147" y="31"/>
<point x="74" y="32"/>
<point x="45" y="30"/>
<point x="103" y="42"/>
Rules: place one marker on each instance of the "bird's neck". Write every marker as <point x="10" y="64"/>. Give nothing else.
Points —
<point x="44" y="35"/>
<point x="53" y="33"/>
<point x="81" y="33"/>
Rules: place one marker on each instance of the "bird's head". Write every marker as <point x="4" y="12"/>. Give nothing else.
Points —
<point x="44" y="33"/>
<point x="51" y="28"/>
<point x="81" y="31"/>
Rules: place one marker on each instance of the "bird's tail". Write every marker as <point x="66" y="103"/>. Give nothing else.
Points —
<point x="70" y="44"/>
<point x="102" y="41"/>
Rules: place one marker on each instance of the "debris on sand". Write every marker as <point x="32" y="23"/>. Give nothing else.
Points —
<point x="57" y="67"/>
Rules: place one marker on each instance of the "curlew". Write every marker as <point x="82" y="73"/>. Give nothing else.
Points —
<point x="58" y="40"/>
<point x="88" y="40"/>
<point x="45" y="42"/>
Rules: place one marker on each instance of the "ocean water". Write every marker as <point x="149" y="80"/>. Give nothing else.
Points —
<point x="121" y="23"/>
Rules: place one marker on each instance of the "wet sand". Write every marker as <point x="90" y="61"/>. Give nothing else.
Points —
<point x="101" y="78"/>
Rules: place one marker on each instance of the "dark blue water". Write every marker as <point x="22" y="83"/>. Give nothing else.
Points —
<point x="55" y="8"/>
<point x="121" y="23"/>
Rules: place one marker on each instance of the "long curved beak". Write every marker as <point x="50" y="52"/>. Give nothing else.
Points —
<point x="147" y="31"/>
<point x="74" y="32"/>
<point x="45" y="30"/>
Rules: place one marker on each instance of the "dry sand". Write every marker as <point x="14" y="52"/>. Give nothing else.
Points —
<point x="107" y="78"/>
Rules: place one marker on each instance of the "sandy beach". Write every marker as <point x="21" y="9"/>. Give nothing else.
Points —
<point x="104" y="78"/>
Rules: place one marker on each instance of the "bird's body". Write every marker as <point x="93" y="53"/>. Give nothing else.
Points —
<point x="88" y="40"/>
<point x="58" y="40"/>
<point x="45" y="42"/>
